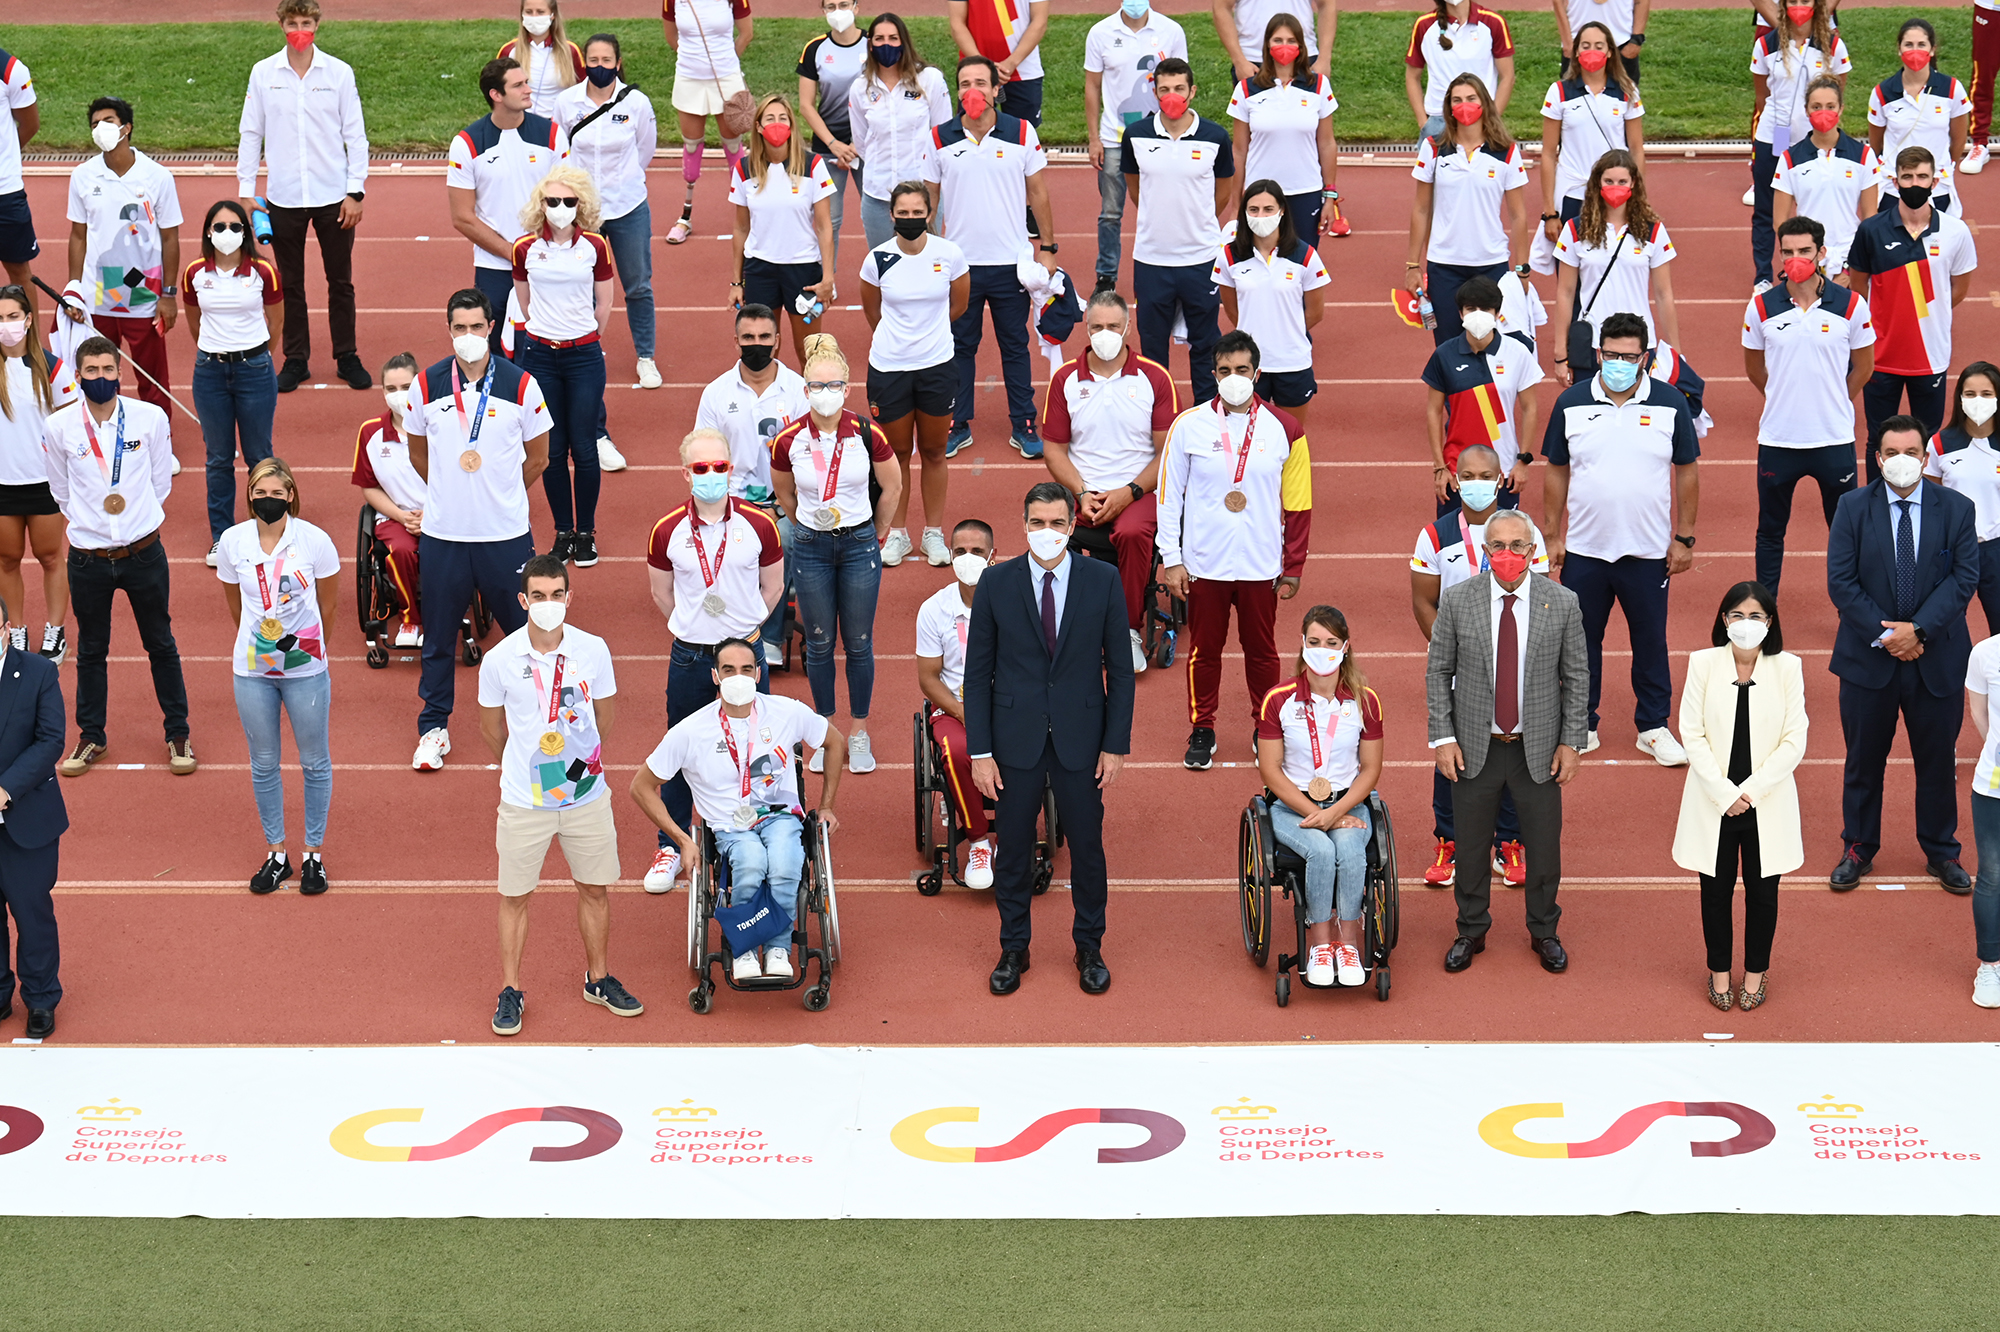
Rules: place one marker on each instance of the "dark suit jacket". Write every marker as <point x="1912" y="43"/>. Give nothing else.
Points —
<point x="1016" y="697"/>
<point x="1861" y="579"/>
<point x="31" y="741"/>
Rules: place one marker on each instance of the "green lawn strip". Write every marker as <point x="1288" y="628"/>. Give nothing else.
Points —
<point x="419" y="80"/>
<point x="1606" y="1274"/>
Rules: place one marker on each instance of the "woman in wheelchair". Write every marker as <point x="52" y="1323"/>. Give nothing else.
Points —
<point x="1319" y="750"/>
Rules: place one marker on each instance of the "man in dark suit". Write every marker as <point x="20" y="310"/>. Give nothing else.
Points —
<point x="1048" y="706"/>
<point x="32" y="822"/>
<point x="1902" y="561"/>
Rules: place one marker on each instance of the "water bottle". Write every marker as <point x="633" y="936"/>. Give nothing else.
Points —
<point x="260" y="221"/>
<point x="809" y="306"/>
<point x="1425" y="312"/>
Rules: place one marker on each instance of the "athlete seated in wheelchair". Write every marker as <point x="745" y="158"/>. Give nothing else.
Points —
<point x="395" y="497"/>
<point x="1160" y="616"/>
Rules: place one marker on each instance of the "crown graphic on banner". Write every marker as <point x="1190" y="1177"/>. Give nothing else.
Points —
<point x="1828" y="1108"/>
<point x="687" y="1112"/>
<point x="113" y="1113"/>
<point x="1243" y="1110"/>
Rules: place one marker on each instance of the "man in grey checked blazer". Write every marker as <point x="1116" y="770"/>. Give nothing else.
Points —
<point x="1525" y="740"/>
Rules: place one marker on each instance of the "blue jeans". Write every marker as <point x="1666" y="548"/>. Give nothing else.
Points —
<point x="631" y="238"/>
<point x="878" y="224"/>
<point x="837" y="576"/>
<point x="307" y="700"/>
<point x="690" y="688"/>
<point x="1336" y="861"/>
<point x="236" y="400"/>
<point x="1986" y="888"/>
<point x="838" y="203"/>
<point x="773" y="629"/>
<point x="1110" y="215"/>
<point x="572" y="382"/>
<point x="772" y="850"/>
<point x="998" y="286"/>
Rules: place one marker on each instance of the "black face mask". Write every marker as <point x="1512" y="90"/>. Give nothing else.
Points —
<point x="909" y="228"/>
<point x="756" y="355"/>
<point x="270" y="509"/>
<point x="601" y="75"/>
<point x="1914" y="196"/>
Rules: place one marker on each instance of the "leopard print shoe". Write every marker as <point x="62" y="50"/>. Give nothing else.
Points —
<point x="1720" y="998"/>
<point x="1748" y="1000"/>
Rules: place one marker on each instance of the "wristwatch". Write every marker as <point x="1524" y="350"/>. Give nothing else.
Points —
<point x="1522" y="270"/>
<point x="170" y="291"/>
<point x="357" y="195"/>
<point x="1525" y="459"/>
<point x="1685" y="541"/>
<point x="1049" y="248"/>
<point x="1137" y="494"/>
<point x="1637" y="39"/>
<point x="1551" y="217"/>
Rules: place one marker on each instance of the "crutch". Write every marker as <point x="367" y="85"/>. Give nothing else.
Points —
<point x="64" y="302"/>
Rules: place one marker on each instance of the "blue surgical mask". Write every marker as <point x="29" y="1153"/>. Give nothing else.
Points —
<point x="1478" y="496"/>
<point x="1136" y="9"/>
<point x="1619" y="375"/>
<point x="710" y="487"/>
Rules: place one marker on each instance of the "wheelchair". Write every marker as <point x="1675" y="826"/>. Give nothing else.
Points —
<point x="940" y="835"/>
<point x="815" y="938"/>
<point x="378" y="604"/>
<point x="1166" y="614"/>
<point x="1263" y="862"/>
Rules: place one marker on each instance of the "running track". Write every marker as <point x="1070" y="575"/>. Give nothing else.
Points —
<point x="164" y="945"/>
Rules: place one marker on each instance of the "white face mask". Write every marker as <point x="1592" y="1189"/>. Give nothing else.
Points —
<point x="1902" y="471"/>
<point x="548" y="615"/>
<point x="1748" y="634"/>
<point x="1479" y="324"/>
<point x="967" y="568"/>
<point x="469" y="348"/>
<point x="1979" y="410"/>
<point x="1107" y="345"/>
<point x="105" y="134"/>
<point x="840" y="20"/>
<point x="1323" y="660"/>
<point x="13" y="332"/>
<point x="398" y="400"/>
<point x="738" y="689"/>
<point x="826" y="401"/>
<point x="1047" y="543"/>
<point x="1236" y="389"/>
<point x="538" y="25"/>
<point x="559" y="215"/>
<point x="226" y="242"/>
<point x="1266" y="225"/>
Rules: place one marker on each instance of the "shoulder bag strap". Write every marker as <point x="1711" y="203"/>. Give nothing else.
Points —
<point x="1616" y="250"/>
<point x="585" y="123"/>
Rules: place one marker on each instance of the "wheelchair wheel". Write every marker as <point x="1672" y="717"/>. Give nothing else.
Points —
<point x="924" y="781"/>
<point x="1382" y="983"/>
<point x="1253" y="886"/>
<point x="827" y="903"/>
<point x="1284" y="988"/>
<point x="701" y="890"/>
<point x="471" y="653"/>
<point x="698" y="999"/>
<point x="1163" y="655"/>
<point x="482" y="616"/>
<point x="1391" y="916"/>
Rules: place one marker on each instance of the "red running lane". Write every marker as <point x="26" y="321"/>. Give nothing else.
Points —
<point x="416" y="963"/>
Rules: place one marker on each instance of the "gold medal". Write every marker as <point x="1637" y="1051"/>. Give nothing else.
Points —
<point x="1236" y="501"/>
<point x="1319" y="788"/>
<point x="114" y="503"/>
<point x="469" y="461"/>
<point x="269" y="628"/>
<point x="552" y="743"/>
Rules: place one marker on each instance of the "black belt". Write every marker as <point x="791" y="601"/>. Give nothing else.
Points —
<point x="238" y="356"/>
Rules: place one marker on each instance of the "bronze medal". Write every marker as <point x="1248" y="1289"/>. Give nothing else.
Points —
<point x="469" y="461"/>
<point x="552" y="744"/>
<point x="114" y="503"/>
<point x="1318" y="789"/>
<point x="1236" y="501"/>
<point x="269" y="629"/>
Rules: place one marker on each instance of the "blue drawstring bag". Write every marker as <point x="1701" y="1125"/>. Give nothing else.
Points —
<point x="750" y="925"/>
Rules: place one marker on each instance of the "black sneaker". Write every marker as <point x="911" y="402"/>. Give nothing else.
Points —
<point x="1201" y="749"/>
<point x="312" y="877"/>
<point x="356" y="374"/>
<point x="565" y="542"/>
<point x="292" y="375"/>
<point x="583" y="549"/>
<point x="608" y="993"/>
<point x="1105" y="282"/>
<point x="55" y="644"/>
<point x="274" y="871"/>
<point x="507" y="1013"/>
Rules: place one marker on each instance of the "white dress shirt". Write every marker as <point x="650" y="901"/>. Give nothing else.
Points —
<point x="318" y="145"/>
<point x="1520" y="595"/>
<point x="80" y="484"/>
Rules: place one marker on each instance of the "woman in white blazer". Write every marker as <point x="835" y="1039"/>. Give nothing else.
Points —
<point x="1743" y="721"/>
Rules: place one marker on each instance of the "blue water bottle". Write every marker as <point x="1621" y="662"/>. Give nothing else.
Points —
<point x="809" y="306"/>
<point x="260" y="221"/>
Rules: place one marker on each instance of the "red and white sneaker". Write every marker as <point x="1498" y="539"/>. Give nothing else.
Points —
<point x="1348" y="958"/>
<point x="665" y="869"/>
<point x="1442" y="870"/>
<point x="1332" y="223"/>
<point x="979" y="864"/>
<point x="1513" y="864"/>
<point x="1320" y="965"/>
<point x="409" y="635"/>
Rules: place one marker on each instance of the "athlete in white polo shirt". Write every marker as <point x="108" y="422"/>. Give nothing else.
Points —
<point x="1103" y="426"/>
<point x="1470" y="218"/>
<point x="479" y="437"/>
<point x="1962" y="457"/>
<point x="1120" y="54"/>
<point x="1240" y="24"/>
<point x="1827" y="175"/>
<point x="22" y="119"/>
<point x="393" y="489"/>
<point x="943" y="622"/>
<point x="1475" y="384"/>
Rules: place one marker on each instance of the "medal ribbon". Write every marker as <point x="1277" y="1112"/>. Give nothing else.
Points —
<point x="471" y="428"/>
<point x="1312" y="728"/>
<point x="117" y="463"/>
<point x="749" y="749"/>
<point x="1249" y="427"/>
<point x="555" y="688"/>
<point x="694" y="534"/>
<point x="263" y="587"/>
<point x="830" y="471"/>
<point x="1465" y="534"/>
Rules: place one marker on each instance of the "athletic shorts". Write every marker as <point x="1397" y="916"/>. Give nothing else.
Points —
<point x="894" y="394"/>
<point x="17" y="229"/>
<point x="1286" y="388"/>
<point x="777" y="285"/>
<point x="33" y="500"/>
<point x="589" y="843"/>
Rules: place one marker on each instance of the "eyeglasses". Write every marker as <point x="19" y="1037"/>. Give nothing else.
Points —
<point x="1517" y="547"/>
<point x="704" y="468"/>
<point x="815" y="385"/>
<point x="1630" y="358"/>
<point x="565" y="201"/>
<point x="221" y="227"/>
<point x="1745" y="617"/>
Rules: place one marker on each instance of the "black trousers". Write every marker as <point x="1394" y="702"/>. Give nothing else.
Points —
<point x="1868" y="723"/>
<point x="1738" y="839"/>
<point x="1475" y="804"/>
<point x="336" y="256"/>
<point x="1882" y="397"/>
<point x="1080" y="806"/>
<point x="143" y="577"/>
<point x="27" y="878"/>
<point x="1779" y="472"/>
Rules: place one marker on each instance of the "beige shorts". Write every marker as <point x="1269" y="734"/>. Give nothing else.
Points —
<point x="704" y="97"/>
<point x="589" y="843"/>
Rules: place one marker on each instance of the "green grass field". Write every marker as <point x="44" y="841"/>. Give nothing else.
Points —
<point x="419" y="80"/>
<point x="1382" y="1274"/>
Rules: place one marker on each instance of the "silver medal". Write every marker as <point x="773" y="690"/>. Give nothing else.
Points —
<point x="714" y="604"/>
<point x="744" y="816"/>
<point x="826" y="519"/>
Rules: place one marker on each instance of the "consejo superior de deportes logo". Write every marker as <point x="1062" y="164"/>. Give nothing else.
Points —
<point x="1753" y="1130"/>
<point x="911" y="1136"/>
<point x="601" y="1134"/>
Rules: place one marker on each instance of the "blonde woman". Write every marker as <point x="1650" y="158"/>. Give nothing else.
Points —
<point x="784" y="219"/>
<point x="708" y="38"/>
<point x="542" y="48"/>
<point x="33" y="383"/>
<point x="562" y="280"/>
<point x="280" y="576"/>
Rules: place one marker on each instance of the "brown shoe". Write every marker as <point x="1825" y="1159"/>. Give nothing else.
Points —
<point x="180" y="757"/>
<point x="80" y="759"/>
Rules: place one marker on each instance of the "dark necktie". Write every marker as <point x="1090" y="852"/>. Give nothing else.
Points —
<point x="1049" y="611"/>
<point x="1507" y="671"/>
<point x="1906" y="562"/>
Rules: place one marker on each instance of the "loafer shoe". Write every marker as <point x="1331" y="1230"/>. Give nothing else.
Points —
<point x="1950" y="874"/>
<point x="1847" y="874"/>
<point x="1459" y="956"/>
<point x="1550" y="950"/>
<point x="41" y="1023"/>
<point x="1092" y="976"/>
<point x="1006" y="977"/>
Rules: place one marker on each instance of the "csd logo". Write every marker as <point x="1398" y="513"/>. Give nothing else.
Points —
<point x="912" y="1136"/>
<point x="350" y="1137"/>
<point x="23" y="1128"/>
<point x="1752" y="1129"/>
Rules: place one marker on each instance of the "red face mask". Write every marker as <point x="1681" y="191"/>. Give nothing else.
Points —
<point x="1823" y="121"/>
<point x="1615" y="195"/>
<point x="1917" y="61"/>
<point x="1173" y="105"/>
<point x="1800" y="269"/>
<point x="1800" y="15"/>
<point x="298" y="40"/>
<point x="1466" y="113"/>
<point x="777" y="134"/>
<point x="1507" y="565"/>
<point x="1284" y="53"/>
<point x="973" y="102"/>
<point x="1592" y="60"/>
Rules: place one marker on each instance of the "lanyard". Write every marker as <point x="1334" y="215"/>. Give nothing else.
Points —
<point x="555" y="688"/>
<point x="708" y="577"/>
<point x="740" y="762"/>
<point x="1312" y="727"/>
<point x="458" y="400"/>
<point x="277" y="574"/>
<point x="1465" y="534"/>
<point x="830" y="471"/>
<point x="117" y="463"/>
<point x="1249" y="428"/>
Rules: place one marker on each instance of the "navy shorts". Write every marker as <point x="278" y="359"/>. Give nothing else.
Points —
<point x="894" y="394"/>
<point x="1286" y="388"/>
<point x="776" y="285"/>
<point x="17" y="229"/>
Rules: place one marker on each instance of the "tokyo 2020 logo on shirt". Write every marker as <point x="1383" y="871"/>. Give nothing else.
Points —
<point x="1753" y="1130"/>
<point x="911" y="1136"/>
<point x="602" y="1132"/>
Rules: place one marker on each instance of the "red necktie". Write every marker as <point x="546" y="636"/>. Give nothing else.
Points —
<point x="1507" y="671"/>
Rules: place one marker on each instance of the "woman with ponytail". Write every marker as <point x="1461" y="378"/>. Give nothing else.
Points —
<point x="33" y="383"/>
<point x="784" y="219"/>
<point x="1786" y="59"/>
<point x="1458" y="38"/>
<point x="1922" y="107"/>
<point x="1585" y="116"/>
<point x="1468" y="178"/>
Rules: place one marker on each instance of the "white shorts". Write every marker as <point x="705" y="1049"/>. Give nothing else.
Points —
<point x="589" y="839"/>
<point x="704" y="97"/>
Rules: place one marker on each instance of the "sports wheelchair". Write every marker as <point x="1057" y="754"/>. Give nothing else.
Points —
<point x="378" y="604"/>
<point x="940" y="835"/>
<point x="1166" y="614"/>
<point x="1263" y="861"/>
<point x="818" y="919"/>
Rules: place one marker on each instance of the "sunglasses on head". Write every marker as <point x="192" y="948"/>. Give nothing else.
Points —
<point x="704" y="468"/>
<point x="220" y="227"/>
<point x="566" y="202"/>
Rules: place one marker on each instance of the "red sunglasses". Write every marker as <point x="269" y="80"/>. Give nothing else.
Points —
<point x="703" y="469"/>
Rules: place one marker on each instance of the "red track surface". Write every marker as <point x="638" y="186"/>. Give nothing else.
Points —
<point x="164" y="944"/>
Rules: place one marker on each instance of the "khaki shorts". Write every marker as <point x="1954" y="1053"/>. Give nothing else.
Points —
<point x="589" y="843"/>
<point x="704" y="97"/>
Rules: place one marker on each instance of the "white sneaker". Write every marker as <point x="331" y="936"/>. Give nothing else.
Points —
<point x="1750" y="197"/>
<point x="665" y="869"/>
<point x="778" y="962"/>
<point x="408" y="637"/>
<point x="1986" y="985"/>
<point x="1589" y="743"/>
<point x="1348" y="957"/>
<point x="979" y="864"/>
<point x="745" y="968"/>
<point x="1974" y="161"/>
<point x="1660" y="743"/>
<point x="1319" y="965"/>
<point x="649" y="374"/>
<point x="860" y="756"/>
<point x="177" y="467"/>
<point x="1138" y="653"/>
<point x="818" y="761"/>
<point x="1760" y="288"/>
<point x="432" y="749"/>
<point x="897" y="548"/>
<point x="774" y="655"/>
<point x="934" y="548"/>
<point x="609" y="459"/>
<point x="210" y="559"/>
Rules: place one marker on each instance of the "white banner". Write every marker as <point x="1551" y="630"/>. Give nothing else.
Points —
<point x="995" y="1132"/>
